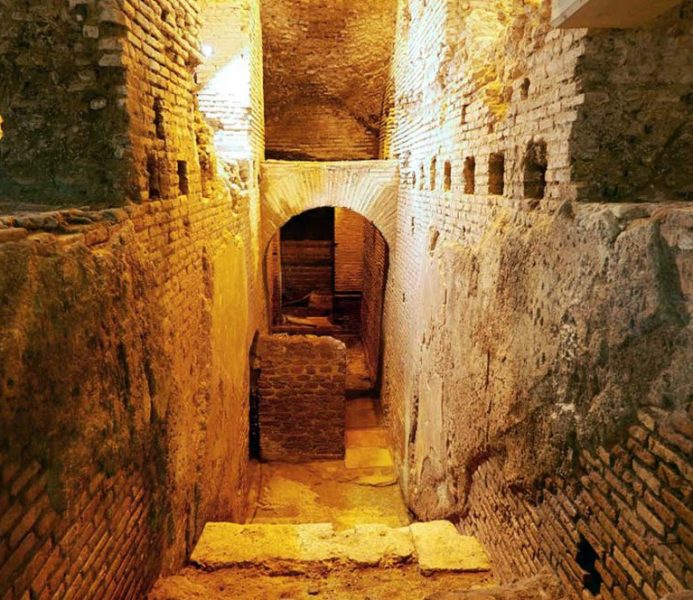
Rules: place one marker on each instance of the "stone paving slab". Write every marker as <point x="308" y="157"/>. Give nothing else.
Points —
<point x="361" y="414"/>
<point x="281" y="548"/>
<point x="440" y="547"/>
<point x="367" y="438"/>
<point x="365" y="458"/>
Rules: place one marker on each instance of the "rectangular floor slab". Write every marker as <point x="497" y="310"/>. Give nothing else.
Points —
<point x="363" y="458"/>
<point x="282" y="548"/>
<point x="367" y="438"/>
<point x="440" y="547"/>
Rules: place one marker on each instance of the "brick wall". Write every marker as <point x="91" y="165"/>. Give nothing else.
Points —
<point x="375" y="267"/>
<point x="230" y="77"/>
<point x="149" y="306"/>
<point x="512" y="338"/>
<point x="273" y="277"/>
<point x="100" y="546"/>
<point x="159" y="53"/>
<point x="302" y="402"/>
<point x="348" y="257"/>
<point x="631" y="504"/>
<point x="140" y="302"/>
<point x="633" y="131"/>
<point x="368" y="188"/>
<point x="306" y="266"/>
<point x="325" y="65"/>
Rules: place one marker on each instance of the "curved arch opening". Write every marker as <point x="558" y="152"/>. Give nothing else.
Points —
<point x="325" y="274"/>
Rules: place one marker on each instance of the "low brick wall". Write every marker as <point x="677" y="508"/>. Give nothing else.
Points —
<point x="301" y="389"/>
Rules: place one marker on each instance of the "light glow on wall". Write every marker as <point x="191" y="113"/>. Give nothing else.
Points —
<point x="226" y="101"/>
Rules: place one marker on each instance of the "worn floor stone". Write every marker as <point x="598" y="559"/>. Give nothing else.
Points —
<point x="440" y="547"/>
<point x="285" y="548"/>
<point x="360" y="458"/>
<point x="544" y="586"/>
<point x="279" y="548"/>
<point x="361" y="414"/>
<point x="402" y="583"/>
<point x="361" y="489"/>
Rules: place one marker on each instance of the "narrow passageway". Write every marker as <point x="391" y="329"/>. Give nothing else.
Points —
<point x="332" y="528"/>
<point x="361" y="488"/>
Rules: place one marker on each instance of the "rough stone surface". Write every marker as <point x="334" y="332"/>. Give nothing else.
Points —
<point x="402" y="583"/>
<point x="439" y="547"/>
<point x="286" y="548"/>
<point x="541" y="587"/>
<point x="280" y="548"/>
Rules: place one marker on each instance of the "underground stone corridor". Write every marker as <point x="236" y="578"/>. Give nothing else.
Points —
<point x="331" y="528"/>
<point x="346" y="300"/>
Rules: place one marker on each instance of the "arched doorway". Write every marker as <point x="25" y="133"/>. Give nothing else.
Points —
<point x="325" y="453"/>
<point x="326" y="272"/>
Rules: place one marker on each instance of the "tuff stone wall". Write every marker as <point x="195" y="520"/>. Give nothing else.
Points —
<point x="524" y="330"/>
<point x="302" y="398"/>
<point x="325" y="67"/>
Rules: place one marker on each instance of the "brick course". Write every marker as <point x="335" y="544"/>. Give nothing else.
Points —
<point x="641" y="540"/>
<point x="302" y="397"/>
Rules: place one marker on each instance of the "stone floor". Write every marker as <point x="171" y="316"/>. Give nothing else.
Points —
<point x="362" y="488"/>
<point x="332" y="529"/>
<point x="401" y="583"/>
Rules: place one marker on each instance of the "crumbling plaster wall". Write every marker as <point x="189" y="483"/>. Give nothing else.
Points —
<point x="326" y="66"/>
<point x="522" y="334"/>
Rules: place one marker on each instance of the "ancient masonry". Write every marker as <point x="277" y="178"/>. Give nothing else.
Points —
<point x="527" y="190"/>
<point x="302" y="396"/>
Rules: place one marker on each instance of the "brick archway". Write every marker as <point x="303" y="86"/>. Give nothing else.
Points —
<point x="367" y="187"/>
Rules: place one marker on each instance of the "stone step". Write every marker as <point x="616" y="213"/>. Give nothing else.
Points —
<point x="279" y="548"/>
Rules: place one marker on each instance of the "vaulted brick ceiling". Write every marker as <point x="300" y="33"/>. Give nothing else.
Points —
<point x="330" y="57"/>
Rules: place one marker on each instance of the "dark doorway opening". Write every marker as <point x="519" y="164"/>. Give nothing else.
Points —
<point x="254" y="409"/>
<point x="587" y="558"/>
<point x="326" y="271"/>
